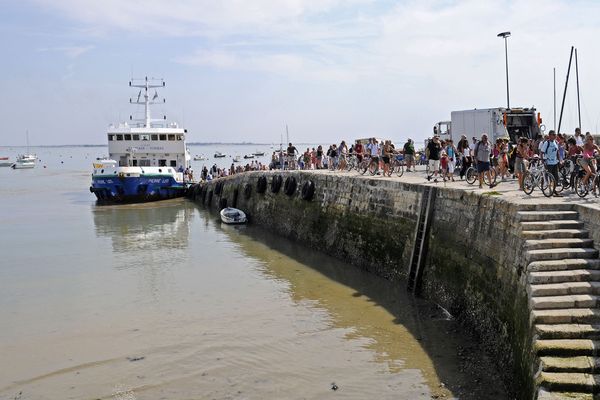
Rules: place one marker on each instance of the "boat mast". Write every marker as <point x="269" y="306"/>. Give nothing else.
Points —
<point x="562" y="107"/>
<point x="554" y="72"/>
<point x="577" y="77"/>
<point x="147" y="84"/>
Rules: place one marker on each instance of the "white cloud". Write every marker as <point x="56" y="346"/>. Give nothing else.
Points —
<point x="69" y="51"/>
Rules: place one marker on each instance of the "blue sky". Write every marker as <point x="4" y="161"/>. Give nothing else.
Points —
<point x="241" y="70"/>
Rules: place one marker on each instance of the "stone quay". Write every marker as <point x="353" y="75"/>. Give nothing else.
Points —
<point x="522" y="271"/>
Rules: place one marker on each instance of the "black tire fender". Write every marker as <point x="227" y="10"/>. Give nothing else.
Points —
<point x="290" y="185"/>
<point x="276" y="183"/>
<point x="261" y="185"/>
<point x="219" y="188"/>
<point x="308" y="190"/>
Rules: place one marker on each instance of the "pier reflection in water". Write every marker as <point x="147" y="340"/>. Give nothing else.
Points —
<point x="171" y="304"/>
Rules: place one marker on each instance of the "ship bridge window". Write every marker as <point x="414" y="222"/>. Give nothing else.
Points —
<point x="111" y="138"/>
<point x="154" y="137"/>
<point x="173" y="163"/>
<point x="179" y="137"/>
<point x="119" y="137"/>
<point x="136" y="137"/>
<point x="163" y="137"/>
<point x="162" y="163"/>
<point x="144" y="163"/>
<point x="171" y="137"/>
<point x="145" y="137"/>
<point x="127" y="136"/>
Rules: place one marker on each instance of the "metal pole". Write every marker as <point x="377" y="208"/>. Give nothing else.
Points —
<point x="554" y="126"/>
<point x="577" y="77"/>
<point x="562" y="107"/>
<point x="506" y="57"/>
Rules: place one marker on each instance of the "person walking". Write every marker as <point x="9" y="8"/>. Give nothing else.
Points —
<point x="482" y="158"/>
<point x="433" y="150"/>
<point x="451" y="153"/>
<point x="409" y="155"/>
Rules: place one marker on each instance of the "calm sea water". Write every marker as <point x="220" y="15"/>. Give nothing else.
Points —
<point x="161" y="301"/>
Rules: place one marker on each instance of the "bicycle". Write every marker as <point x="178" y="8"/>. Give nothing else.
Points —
<point x="593" y="184"/>
<point x="538" y="175"/>
<point x="397" y="166"/>
<point x="472" y="175"/>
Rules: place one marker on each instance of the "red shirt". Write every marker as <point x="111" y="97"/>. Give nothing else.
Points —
<point x="358" y="148"/>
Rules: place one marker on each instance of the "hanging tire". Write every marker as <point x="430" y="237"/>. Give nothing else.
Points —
<point x="261" y="185"/>
<point x="276" y="183"/>
<point x="289" y="187"/>
<point x="247" y="191"/>
<point x="308" y="190"/>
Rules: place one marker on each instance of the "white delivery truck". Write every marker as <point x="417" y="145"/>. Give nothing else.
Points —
<point x="496" y="122"/>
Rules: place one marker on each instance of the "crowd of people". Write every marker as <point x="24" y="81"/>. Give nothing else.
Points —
<point x="445" y="159"/>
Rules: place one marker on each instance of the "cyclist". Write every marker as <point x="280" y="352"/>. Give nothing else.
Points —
<point x="589" y="148"/>
<point x="358" y="151"/>
<point x="342" y="154"/>
<point x="551" y="154"/>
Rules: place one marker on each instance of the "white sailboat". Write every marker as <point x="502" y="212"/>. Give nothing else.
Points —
<point x="27" y="160"/>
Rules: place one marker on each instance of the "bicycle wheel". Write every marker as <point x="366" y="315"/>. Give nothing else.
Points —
<point x="399" y="169"/>
<point x="528" y="183"/>
<point x="373" y="168"/>
<point x="493" y="176"/>
<point x="363" y="167"/>
<point x="563" y="179"/>
<point x="547" y="184"/>
<point x="580" y="187"/>
<point x="471" y="175"/>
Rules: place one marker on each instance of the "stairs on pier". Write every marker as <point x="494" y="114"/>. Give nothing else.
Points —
<point x="563" y="275"/>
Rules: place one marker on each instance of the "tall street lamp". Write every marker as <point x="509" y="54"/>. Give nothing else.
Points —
<point x="505" y="35"/>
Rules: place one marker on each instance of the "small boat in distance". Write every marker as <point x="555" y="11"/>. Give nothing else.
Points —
<point x="24" y="161"/>
<point x="200" y="158"/>
<point x="247" y="156"/>
<point x="5" y="162"/>
<point x="233" y="216"/>
<point x="218" y="154"/>
<point x="236" y="159"/>
<point x="27" y="160"/>
<point x="259" y="153"/>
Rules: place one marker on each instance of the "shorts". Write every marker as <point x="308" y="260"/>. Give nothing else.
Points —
<point x="584" y="162"/>
<point x="519" y="165"/>
<point x="410" y="158"/>
<point x="385" y="159"/>
<point x="483" y="166"/>
<point x="434" y="165"/>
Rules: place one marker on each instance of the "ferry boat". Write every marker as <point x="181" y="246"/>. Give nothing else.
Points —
<point x="147" y="157"/>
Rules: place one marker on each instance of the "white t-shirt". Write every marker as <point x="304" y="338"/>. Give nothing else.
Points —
<point x="579" y="140"/>
<point x="373" y="149"/>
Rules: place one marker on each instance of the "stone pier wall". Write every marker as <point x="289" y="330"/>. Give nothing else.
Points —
<point x="473" y="265"/>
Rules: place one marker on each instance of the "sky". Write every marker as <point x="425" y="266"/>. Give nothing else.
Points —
<point x="240" y="70"/>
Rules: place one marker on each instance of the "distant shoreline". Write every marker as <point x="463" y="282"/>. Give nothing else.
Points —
<point x="189" y="144"/>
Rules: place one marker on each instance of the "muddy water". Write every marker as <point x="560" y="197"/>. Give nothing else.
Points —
<point x="160" y="301"/>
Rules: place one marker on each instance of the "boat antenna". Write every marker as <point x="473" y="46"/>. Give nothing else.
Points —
<point x="577" y="78"/>
<point x="145" y="85"/>
<point x="562" y="107"/>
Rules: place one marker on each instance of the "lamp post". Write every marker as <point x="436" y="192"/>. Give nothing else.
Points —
<point x="505" y="35"/>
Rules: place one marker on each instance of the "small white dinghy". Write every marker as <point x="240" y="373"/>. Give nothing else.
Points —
<point x="232" y="215"/>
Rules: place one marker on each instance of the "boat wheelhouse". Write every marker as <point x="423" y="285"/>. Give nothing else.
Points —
<point x="147" y="158"/>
